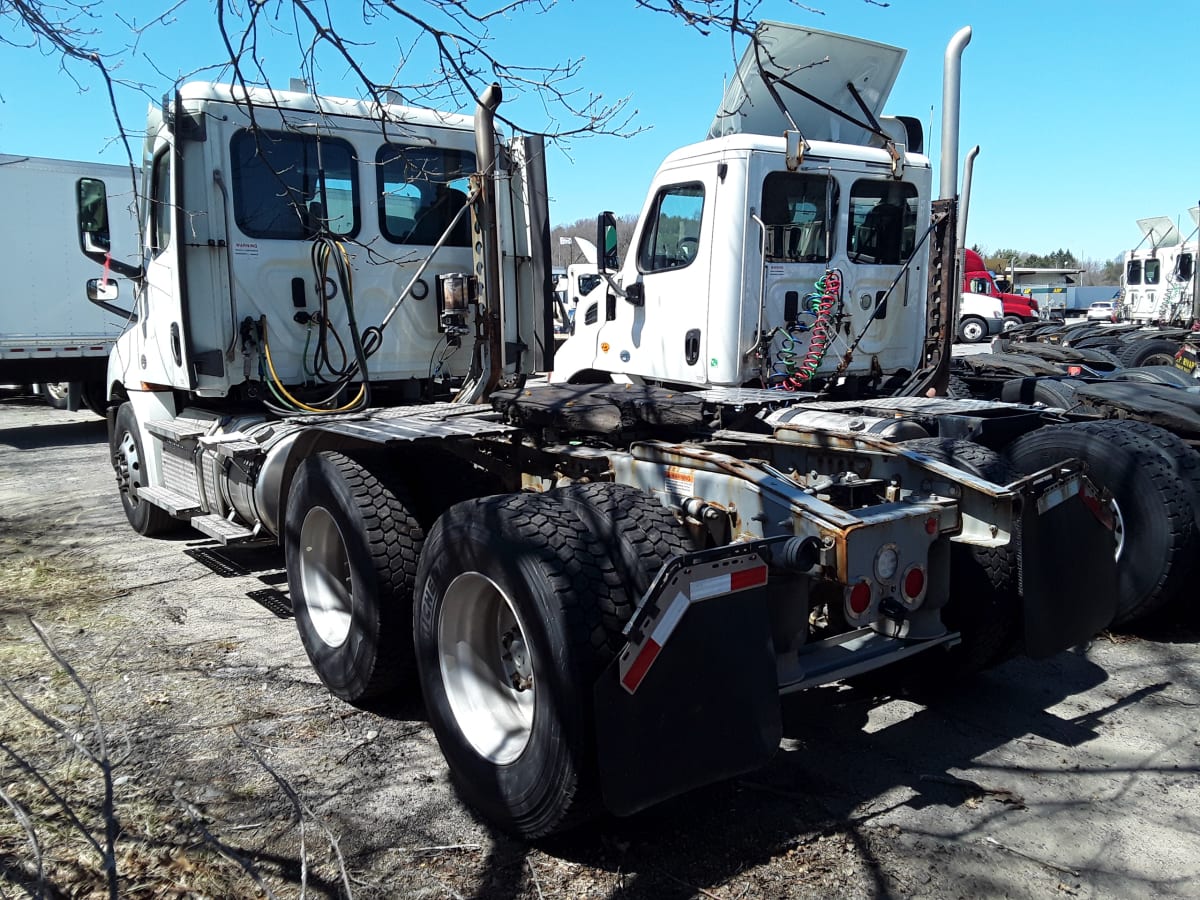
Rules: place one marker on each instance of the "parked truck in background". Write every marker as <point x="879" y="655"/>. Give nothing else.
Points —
<point x="46" y="337"/>
<point x="1159" y="283"/>
<point x="1017" y="309"/>
<point x="603" y="585"/>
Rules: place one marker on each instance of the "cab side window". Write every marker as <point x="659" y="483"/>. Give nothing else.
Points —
<point x="421" y="190"/>
<point x="1133" y="272"/>
<point x="161" y="209"/>
<point x="293" y="186"/>
<point x="1151" y="271"/>
<point x="673" y="238"/>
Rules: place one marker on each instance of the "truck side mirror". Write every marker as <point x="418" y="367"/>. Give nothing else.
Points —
<point x="102" y="291"/>
<point x="606" y="243"/>
<point x="91" y="216"/>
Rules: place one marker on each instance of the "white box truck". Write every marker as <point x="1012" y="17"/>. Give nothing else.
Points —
<point x="46" y="336"/>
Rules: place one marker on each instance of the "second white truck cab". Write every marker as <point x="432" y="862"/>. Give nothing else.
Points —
<point x="980" y="316"/>
<point x="791" y="259"/>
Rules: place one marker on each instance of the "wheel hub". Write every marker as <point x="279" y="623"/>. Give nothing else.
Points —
<point x="487" y="667"/>
<point x="128" y="467"/>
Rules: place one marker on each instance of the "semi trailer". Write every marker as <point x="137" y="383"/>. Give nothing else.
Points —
<point x="46" y="337"/>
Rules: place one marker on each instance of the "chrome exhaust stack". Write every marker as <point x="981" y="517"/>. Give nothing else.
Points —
<point x="951" y="93"/>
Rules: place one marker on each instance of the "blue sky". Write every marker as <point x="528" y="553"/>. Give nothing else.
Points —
<point x="1085" y="111"/>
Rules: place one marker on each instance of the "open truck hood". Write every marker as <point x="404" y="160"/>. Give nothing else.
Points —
<point x="817" y="62"/>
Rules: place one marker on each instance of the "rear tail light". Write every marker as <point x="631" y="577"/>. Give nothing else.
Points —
<point x="859" y="598"/>
<point x="914" y="584"/>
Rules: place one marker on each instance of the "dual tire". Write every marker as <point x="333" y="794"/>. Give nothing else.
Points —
<point x="1151" y="476"/>
<point x="505" y="613"/>
<point x="521" y="603"/>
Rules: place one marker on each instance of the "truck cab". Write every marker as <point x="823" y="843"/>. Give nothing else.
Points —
<point x="240" y="187"/>
<point x="769" y="255"/>
<point x="722" y="281"/>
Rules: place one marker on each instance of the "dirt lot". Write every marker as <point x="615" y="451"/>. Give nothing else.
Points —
<point x="233" y="773"/>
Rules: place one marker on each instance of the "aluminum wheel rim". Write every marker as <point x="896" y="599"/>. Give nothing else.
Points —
<point x="325" y="577"/>
<point x="1118" y="529"/>
<point x="486" y="667"/>
<point x="129" y="466"/>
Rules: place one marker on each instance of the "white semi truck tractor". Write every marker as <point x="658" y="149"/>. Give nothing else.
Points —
<point x="601" y="589"/>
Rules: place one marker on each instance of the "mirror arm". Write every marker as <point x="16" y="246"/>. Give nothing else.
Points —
<point x="116" y="266"/>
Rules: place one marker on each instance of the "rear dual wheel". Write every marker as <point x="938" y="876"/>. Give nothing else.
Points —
<point x="351" y="544"/>
<point x="521" y="602"/>
<point x="1150" y="476"/>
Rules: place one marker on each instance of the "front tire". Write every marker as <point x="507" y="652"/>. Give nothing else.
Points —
<point x="132" y="470"/>
<point x="519" y="607"/>
<point x="972" y="330"/>
<point x="351" y="545"/>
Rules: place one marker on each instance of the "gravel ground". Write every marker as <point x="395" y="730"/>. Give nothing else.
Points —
<point x="233" y="773"/>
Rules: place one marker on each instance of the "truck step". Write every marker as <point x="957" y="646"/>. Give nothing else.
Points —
<point x="222" y="530"/>
<point x="238" y="450"/>
<point x="178" y="429"/>
<point x="175" y="503"/>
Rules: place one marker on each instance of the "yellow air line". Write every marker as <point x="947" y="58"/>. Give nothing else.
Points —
<point x="353" y="404"/>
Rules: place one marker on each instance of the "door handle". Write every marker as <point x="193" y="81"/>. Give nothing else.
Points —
<point x="691" y="346"/>
<point x="176" y="344"/>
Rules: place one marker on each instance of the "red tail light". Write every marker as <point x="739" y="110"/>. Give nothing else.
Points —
<point x="860" y="598"/>
<point x="914" y="583"/>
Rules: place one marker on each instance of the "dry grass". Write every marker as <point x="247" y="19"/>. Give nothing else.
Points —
<point x="81" y="815"/>
<point x="31" y="585"/>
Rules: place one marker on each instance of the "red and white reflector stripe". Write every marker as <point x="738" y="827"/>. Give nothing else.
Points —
<point x="728" y="584"/>
<point x="633" y="671"/>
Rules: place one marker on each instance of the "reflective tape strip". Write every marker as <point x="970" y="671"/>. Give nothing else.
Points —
<point x="654" y="643"/>
<point x="640" y="666"/>
<point x="728" y="583"/>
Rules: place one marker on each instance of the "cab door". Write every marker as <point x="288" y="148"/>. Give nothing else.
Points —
<point x="163" y="357"/>
<point x="666" y="281"/>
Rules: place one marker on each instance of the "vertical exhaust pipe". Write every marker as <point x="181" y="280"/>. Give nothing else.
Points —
<point x="485" y="160"/>
<point x="965" y="203"/>
<point x="951" y="92"/>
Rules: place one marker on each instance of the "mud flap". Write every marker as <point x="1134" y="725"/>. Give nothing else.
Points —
<point x="708" y="709"/>
<point x="1068" y="569"/>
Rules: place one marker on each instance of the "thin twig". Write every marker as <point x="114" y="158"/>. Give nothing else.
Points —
<point x="22" y="818"/>
<point x="692" y="887"/>
<point x="111" y="829"/>
<point x="302" y="808"/>
<point x="209" y="838"/>
<point x="537" y="884"/>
